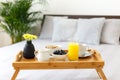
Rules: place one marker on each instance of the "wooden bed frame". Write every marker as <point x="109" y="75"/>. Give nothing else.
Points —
<point x="82" y="16"/>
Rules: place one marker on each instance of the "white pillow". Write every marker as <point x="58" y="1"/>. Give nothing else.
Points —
<point x="89" y="30"/>
<point x="111" y="31"/>
<point x="47" y="28"/>
<point x="64" y="29"/>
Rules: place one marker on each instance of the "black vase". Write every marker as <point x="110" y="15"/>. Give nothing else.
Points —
<point x="29" y="50"/>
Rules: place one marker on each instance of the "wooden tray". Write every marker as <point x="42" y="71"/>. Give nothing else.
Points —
<point x="95" y="59"/>
<point x="93" y="62"/>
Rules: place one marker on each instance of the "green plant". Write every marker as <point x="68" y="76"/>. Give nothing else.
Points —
<point x="17" y="17"/>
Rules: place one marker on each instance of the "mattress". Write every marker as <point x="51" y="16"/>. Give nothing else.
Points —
<point x="110" y="54"/>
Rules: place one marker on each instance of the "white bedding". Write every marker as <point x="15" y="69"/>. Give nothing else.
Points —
<point x="110" y="54"/>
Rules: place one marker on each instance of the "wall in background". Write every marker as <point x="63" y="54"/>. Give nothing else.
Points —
<point x="89" y="7"/>
<point x="4" y="38"/>
<point x="75" y="7"/>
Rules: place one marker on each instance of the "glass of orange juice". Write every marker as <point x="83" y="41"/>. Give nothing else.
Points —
<point x="73" y="51"/>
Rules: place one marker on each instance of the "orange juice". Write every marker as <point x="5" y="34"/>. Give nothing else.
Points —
<point x="73" y="50"/>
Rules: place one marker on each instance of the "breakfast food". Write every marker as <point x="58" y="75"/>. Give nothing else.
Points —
<point x="59" y="52"/>
<point x="52" y="47"/>
<point x="60" y="55"/>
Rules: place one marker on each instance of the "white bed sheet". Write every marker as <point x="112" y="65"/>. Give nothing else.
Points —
<point x="110" y="54"/>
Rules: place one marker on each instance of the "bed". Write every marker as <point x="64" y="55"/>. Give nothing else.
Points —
<point x="109" y="52"/>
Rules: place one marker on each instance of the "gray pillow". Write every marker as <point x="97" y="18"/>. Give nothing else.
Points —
<point x="47" y="28"/>
<point x="111" y="32"/>
<point x="89" y="30"/>
<point x="64" y="29"/>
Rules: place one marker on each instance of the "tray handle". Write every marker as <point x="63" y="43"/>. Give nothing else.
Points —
<point x="19" y="56"/>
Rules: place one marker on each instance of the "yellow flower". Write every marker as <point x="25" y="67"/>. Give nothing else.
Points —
<point x="29" y="36"/>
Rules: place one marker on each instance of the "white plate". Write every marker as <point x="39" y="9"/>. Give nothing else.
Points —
<point x="87" y="54"/>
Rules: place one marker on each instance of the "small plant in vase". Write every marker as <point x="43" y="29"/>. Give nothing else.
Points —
<point x="29" y="48"/>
